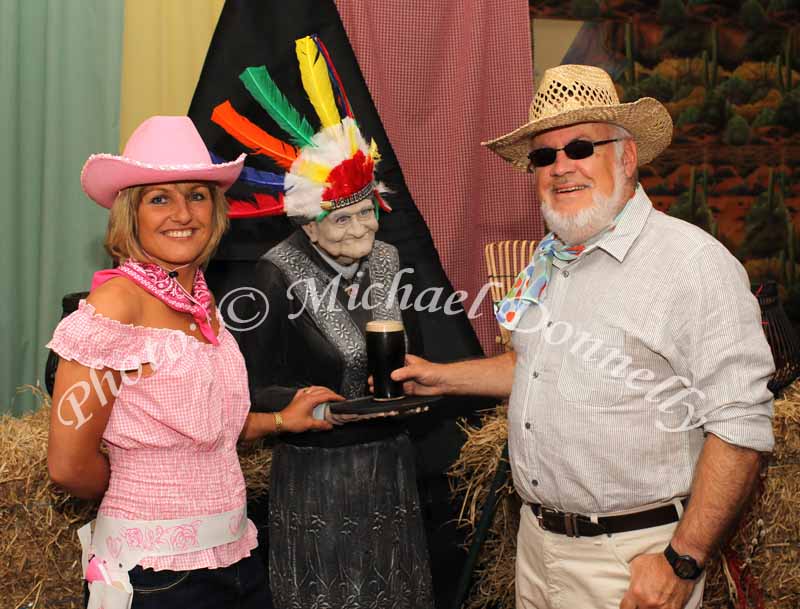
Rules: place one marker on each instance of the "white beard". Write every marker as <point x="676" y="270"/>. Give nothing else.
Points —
<point x="577" y="228"/>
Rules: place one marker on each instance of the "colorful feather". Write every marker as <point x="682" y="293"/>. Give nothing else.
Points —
<point x="263" y="179"/>
<point x="262" y="205"/>
<point x="253" y="136"/>
<point x="374" y="154"/>
<point x="316" y="172"/>
<point x="381" y="201"/>
<point x="352" y="137"/>
<point x="316" y="81"/>
<point x="256" y="177"/>
<point x="266" y="92"/>
<point x="338" y="87"/>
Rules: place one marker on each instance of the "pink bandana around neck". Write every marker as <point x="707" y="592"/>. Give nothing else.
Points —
<point x="157" y="282"/>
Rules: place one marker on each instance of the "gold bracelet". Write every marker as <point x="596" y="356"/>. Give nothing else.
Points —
<point x="278" y="422"/>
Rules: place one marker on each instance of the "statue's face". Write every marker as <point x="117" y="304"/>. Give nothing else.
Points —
<point x="347" y="234"/>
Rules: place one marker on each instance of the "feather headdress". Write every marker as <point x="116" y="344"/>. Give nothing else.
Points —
<point x="326" y="170"/>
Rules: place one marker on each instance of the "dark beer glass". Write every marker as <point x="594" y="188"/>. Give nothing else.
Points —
<point x="386" y="351"/>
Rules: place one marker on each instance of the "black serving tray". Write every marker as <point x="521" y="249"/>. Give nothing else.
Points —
<point x="369" y="405"/>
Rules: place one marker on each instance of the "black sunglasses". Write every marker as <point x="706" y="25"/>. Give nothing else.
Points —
<point x="575" y="150"/>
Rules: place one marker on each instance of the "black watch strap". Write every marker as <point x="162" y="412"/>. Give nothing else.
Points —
<point x="683" y="565"/>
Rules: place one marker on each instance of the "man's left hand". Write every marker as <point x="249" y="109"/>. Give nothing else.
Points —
<point x="654" y="585"/>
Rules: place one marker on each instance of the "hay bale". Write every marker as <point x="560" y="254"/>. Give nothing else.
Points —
<point x="40" y="549"/>
<point x="40" y="565"/>
<point x="470" y="477"/>
<point x="256" y="460"/>
<point x="768" y="539"/>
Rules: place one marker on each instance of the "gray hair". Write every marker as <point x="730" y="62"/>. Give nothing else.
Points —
<point x="621" y="133"/>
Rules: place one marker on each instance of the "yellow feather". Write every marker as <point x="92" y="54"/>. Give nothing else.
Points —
<point x="351" y="134"/>
<point x="316" y="82"/>
<point x="315" y="172"/>
<point x="373" y="151"/>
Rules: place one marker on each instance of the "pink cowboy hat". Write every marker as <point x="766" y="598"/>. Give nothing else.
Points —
<point x="162" y="149"/>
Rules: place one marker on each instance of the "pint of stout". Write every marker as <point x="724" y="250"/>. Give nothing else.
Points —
<point x="386" y="351"/>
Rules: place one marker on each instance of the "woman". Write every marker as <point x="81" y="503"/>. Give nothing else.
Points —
<point x="344" y="509"/>
<point x="148" y="371"/>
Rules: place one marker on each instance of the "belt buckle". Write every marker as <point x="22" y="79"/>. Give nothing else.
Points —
<point x="539" y="518"/>
<point x="571" y="525"/>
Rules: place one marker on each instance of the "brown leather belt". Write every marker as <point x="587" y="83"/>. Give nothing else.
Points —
<point x="577" y="525"/>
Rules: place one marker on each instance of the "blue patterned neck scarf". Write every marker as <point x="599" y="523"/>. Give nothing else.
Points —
<point x="530" y="284"/>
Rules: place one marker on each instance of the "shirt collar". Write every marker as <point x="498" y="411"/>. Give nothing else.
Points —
<point x="347" y="271"/>
<point x="629" y="225"/>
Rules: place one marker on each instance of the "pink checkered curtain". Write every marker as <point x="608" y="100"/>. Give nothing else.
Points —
<point x="446" y="75"/>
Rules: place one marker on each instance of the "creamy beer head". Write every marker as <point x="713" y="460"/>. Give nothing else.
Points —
<point x="386" y="351"/>
<point x="385" y="325"/>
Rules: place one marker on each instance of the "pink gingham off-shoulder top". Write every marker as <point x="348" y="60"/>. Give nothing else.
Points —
<point x="172" y="435"/>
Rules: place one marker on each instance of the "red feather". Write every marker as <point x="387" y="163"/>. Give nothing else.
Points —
<point x="349" y="177"/>
<point x="252" y="136"/>
<point x="265" y="205"/>
<point x="381" y="201"/>
<point x="345" y="102"/>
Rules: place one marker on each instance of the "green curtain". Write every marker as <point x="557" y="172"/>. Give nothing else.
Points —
<point x="59" y="102"/>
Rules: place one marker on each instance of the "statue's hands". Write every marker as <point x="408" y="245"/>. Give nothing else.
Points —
<point x="298" y="417"/>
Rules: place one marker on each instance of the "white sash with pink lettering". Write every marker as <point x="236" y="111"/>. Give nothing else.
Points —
<point x="112" y="547"/>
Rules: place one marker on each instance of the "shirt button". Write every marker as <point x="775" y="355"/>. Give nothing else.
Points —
<point x="565" y="273"/>
<point x="535" y="482"/>
<point x="527" y="425"/>
<point x="549" y="323"/>
<point x="535" y="375"/>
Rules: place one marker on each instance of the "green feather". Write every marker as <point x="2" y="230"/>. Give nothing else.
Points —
<point x="266" y="92"/>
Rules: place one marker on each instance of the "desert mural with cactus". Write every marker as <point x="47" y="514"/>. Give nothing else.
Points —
<point x="729" y="74"/>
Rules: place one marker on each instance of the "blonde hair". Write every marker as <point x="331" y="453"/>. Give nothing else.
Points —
<point x="122" y="234"/>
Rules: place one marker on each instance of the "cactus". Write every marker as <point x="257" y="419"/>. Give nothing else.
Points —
<point x="705" y="186"/>
<point x="703" y="204"/>
<point x="782" y="266"/>
<point x="790" y="250"/>
<point x="779" y="74"/>
<point x="771" y="191"/>
<point x="714" y="66"/>
<point x="629" y="69"/>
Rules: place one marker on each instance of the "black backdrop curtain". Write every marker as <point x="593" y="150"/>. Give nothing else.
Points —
<point x="253" y="33"/>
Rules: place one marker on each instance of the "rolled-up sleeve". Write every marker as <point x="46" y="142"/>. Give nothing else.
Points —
<point x="721" y="348"/>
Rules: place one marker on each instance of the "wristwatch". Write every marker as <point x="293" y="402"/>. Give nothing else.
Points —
<point x="684" y="565"/>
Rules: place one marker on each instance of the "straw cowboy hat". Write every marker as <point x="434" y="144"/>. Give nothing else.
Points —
<point x="162" y="149"/>
<point x="571" y="94"/>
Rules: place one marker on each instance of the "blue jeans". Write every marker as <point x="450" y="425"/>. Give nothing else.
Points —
<point x="242" y="585"/>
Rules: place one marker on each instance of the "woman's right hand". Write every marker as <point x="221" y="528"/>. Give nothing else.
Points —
<point x="297" y="416"/>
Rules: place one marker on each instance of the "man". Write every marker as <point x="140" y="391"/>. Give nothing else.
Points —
<point x="638" y="381"/>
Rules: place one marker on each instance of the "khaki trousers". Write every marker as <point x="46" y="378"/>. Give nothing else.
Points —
<point x="558" y="572"/>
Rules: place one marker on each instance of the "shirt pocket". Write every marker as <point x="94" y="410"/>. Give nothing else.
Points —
<point x="594" y="367"/>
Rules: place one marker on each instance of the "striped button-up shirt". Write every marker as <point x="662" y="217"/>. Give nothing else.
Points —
<point x="640" y="347"/>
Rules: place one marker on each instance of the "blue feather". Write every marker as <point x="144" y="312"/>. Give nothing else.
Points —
<point x="256" y="177"/>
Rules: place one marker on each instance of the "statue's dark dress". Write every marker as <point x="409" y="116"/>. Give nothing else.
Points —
<point x="345" y="527"/>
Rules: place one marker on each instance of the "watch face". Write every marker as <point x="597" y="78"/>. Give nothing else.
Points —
<point x="685" y="569"/>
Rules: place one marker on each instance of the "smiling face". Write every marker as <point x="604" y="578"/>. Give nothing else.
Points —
<point x="347" y="234"/>
<point x="581" y="197"/>
<point x="175" y="221"/>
